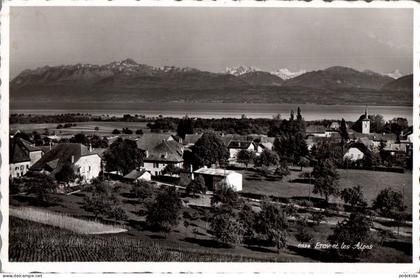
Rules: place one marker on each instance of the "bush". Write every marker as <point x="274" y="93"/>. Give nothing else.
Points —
<point x="304" y="235"/>
<point x="196" y="186"/>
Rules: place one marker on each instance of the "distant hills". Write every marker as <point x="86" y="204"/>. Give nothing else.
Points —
<point x="129" y="81"/>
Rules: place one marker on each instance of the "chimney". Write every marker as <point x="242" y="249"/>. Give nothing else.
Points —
<point x="147" y="153"/>
<point x="50" y="145"/>
<point x="90" y="148"/>
<point x="72" y="159"/>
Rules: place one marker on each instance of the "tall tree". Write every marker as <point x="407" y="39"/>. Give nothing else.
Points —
<point x="388" y="201"/>
<point x="163" y="212"/>
<point x="326" y="179"/>
<point x="208" y="150"/>
<point x="343" y="132"/>
<point x="354" y="197"/>
<point x="123" y="156"/>
<point x="185" y="126"/>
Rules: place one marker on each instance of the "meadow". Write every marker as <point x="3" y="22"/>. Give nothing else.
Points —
<point x="292" y="186"/>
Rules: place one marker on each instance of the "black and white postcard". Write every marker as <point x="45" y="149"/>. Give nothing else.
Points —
<point x="244" y="136"/>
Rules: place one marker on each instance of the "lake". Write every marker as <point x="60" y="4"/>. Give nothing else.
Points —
<point x="218" y="110"/>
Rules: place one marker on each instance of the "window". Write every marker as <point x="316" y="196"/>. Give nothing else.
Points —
<point x="156" y="165"/>
<point x="27" y="166"/>
<point x="16" y="168"/>
<point x="89" y="168"/>
<point x="21" y="167"/>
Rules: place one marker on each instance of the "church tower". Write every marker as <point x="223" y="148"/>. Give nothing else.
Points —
<point x="366" y="123"/>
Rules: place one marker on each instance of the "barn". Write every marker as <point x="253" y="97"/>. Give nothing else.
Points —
<point x="215" y="177"/>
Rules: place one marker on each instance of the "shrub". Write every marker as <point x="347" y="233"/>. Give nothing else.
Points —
<point x="226" y="228"/>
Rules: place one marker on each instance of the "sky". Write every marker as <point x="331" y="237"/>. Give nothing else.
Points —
<point x="213" y="38"/>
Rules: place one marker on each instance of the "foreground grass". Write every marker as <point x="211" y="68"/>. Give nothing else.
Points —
<point x="34" y="242"/>
<point x="60" y="220"/>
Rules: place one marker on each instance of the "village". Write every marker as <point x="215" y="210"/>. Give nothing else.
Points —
<point x="255" y="196"/>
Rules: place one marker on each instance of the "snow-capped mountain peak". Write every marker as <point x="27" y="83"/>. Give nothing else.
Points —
<point x="396" y="74"/>
<point x="287" y="74"/>
<point x="240" y="70"/>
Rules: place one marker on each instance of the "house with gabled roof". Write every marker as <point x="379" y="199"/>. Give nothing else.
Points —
<point x="163" y="154"/>
<point x="138" y="175"/>
<point x="84" y="161"/>
<point x="149" y="140"/>
<point x="235" y="146"/>
<point x="22" y="155"/>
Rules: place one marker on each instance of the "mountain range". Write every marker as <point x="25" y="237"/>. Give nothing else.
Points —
<point x="129" y="81"/>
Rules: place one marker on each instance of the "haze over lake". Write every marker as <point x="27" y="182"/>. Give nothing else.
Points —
<point x="217" y="110"/>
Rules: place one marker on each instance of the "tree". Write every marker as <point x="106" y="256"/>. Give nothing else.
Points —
<point x="126" y="130"/>
<point x="247" y="217"/>
<point x="245" y="157"/>
<point x="80" y="138"/>
<point x="171" y="169"/>
<point x="272" y="223"/>
<point x="325" y="179"/>
<point x="123" y="156"/>
<point x="116" y="131"/>
<point x="267" y="158"/>
<point x="162" y="213"/>
<point x="139" y="131"/>
<point x="352" y="232"/>
<point x="208" y="150"/>
<point x="226" y="196"/>
<point x="226" y="228"/>
<point x="196" y="186"/>
<point x="185" y="126"/>
<point x="388" y="202"/>
<point x="343" y="134"/>
<point x="354" y="197"/>
<point x="66" y="174"/>
<point x="41" y="185"/>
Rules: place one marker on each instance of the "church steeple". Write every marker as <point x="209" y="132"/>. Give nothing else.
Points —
<point x="366" y="122"/>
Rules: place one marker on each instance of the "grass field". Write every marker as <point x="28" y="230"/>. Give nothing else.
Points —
<point x="105" y="128"/>
<point x="371" y="183"/>
<point x="60" y="220"/>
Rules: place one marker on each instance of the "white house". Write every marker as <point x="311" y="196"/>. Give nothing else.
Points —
<point x="214" y="178"/>
<point x="138" y="175"/>
<point x="22" y="156"/>
<point x="353" y="154"/>
<point x="85" y="162"/>
<point x="235" y="147"/>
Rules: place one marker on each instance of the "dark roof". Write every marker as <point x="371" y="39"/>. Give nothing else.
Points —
<point x="60" y="154"/>
<point x="19" y="150"/>
<point x="150" y="140"/>
<point x="191" y="138"/>
<point x="316" y="129"/>
<point x="374" y="136"/>
<point x="135" y="174"/>
<point x="239" y="144"/>
<point x="166" y="151"/>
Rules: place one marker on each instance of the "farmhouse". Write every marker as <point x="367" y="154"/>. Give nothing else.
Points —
<point x="235" y="146"/>
<point x="86" y="163"/>
<point x="138" y="175"/>
<point x="22" y="156"/>
<point x="149" y="140"/>
<point x="163" y="154"/>
<point x="215" y="178"/>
